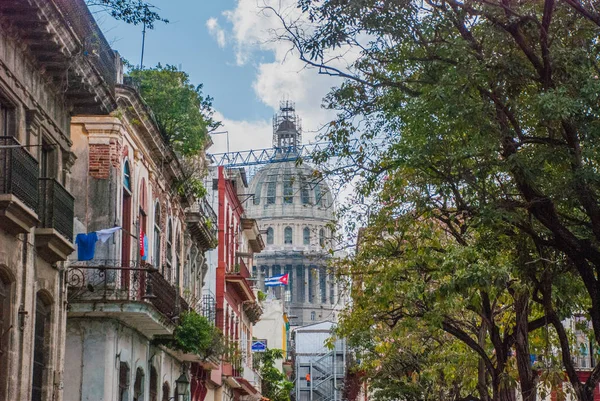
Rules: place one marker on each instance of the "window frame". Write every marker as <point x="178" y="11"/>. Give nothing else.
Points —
<point x="288" y="236"/>
<point x="306" y="236"/>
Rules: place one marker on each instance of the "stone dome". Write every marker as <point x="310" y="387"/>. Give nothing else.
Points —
<point x="286" y="190"/>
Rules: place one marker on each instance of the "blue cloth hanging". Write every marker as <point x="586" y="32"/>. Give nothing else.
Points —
<point x="86" y="245"/>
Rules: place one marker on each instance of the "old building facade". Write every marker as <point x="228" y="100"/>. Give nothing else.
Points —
<point x="54" y="61"/>
<point x="237" y="308"/>
<point x="133" y="290"/>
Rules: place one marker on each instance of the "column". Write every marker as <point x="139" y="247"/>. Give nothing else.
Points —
<point x="294" y="286"/>
<point x="306" y="284"/>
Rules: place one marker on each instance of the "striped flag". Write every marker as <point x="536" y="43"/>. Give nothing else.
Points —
<point x="277" y="281"/>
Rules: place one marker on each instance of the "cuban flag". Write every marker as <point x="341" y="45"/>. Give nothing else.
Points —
<point x="277" y="281"/>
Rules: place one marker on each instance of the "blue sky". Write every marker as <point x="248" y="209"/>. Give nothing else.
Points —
<point x="226" y="45"/>
<point x="186" y="42"/>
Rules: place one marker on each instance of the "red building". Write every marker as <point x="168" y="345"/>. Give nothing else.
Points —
<point x="237" y="308"/>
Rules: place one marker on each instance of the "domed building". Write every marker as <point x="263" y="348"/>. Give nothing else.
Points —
<point x="294" y="208"/>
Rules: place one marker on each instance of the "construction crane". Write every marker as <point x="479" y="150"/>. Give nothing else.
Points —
<point x="254" y="157"/>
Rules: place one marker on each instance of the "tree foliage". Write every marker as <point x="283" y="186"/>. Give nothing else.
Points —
<point x="275" y="385"/>
<point x="196" y="335"/>
<point x="183" y="113"/>
<point x="471" y="129"/>
<point x="130" y="11"/>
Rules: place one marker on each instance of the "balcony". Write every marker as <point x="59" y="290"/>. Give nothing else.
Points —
<point x="54" y="234"/>
<point x="18" y="187"/>
<point x="138" y="296"/>
<point x="203" y="224"/>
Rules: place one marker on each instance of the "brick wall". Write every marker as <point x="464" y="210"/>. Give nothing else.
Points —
<point x="99" y="161"/>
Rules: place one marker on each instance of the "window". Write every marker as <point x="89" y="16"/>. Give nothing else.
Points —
<point x="287" y="233"/>
<point x="138" y="385"/>
<point x="40" y="347"/>
<point x="186" y="272"/>
<point x="288" y="189"/>
<point x="169" y="256"/>
<point x="6" y="120"/>
<point x="305" y="197"/>
<point x="306" y="236"/>
<point x="271" y="189"/>
<point x="123" y="381"/>
<point x="317" y="194"/>
<point x="156" y="235"/>
<point x="153" y="384"/>
<point x="5" y="325"/>
<point x="313" y="315"/>
<point x="270" y="236"/>
<point x="166" y="390"/>
<point x="322" y="237"/>
<point x="126" y="176"/>
<point x="257" y="193"/>
<point x="177" y="257"/>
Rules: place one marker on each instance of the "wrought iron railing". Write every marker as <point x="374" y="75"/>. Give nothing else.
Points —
<point x="56" y="206"/>
<point x="112" y="282"/>
<point x="203" y="207"/>
<point x="209" y="307"/>
<point x="19" y="172"/>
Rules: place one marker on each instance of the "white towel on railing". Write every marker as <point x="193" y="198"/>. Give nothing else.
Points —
<point x="104" y="235"/>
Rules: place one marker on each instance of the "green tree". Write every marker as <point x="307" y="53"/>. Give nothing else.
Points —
<point x="483" y="115"/>
<point x="183" y="114"/>
<point x="275" y="385"/>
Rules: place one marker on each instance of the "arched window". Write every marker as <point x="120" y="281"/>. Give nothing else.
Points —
<point x="127" y="175"/>
<point x="166" y="391"/>
<point x="153" y="384"/>
<point x="322" y="237"/>
<point x="313" y="315"/>
<point x="287" y="235"/>
<point x="123" y="381"/>
<point x="156" y="260"/>
<point x="169" y="256"/>
<point x="40" y="347"/>
<point x="270" y="236"/>
<point x="138" y="385"/>
<point x="306" y="236"/>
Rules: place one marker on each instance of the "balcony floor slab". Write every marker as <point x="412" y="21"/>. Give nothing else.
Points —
<point x="139" y="315"/>
<point x="15" y="216"/>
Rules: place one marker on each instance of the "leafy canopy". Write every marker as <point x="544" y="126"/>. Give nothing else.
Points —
<point x="130" y="11"/>
<point x="183" y="114"/>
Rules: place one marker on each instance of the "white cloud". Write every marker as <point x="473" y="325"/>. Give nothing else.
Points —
<point x="285" y="77"/>
<point x="216" y="31"/>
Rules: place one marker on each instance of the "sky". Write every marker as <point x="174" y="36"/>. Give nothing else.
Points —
<point x="226" y="46"/>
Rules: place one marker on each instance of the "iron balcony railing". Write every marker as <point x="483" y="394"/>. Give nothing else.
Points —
<point x="56" y="207"/>
<point x="209" y="307"/>
<point x="19" y="172"/>
<point x="113" y="282"/>
<point x="209" y="213"/>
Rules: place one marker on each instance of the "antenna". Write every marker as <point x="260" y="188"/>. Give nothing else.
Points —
<point x="143" y="37"/>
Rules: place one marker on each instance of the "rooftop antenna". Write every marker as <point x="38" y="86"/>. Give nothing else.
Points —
<point x="144" y="36"/>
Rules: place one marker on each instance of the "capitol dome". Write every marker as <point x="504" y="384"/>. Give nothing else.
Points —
<point x="293" y="206"/>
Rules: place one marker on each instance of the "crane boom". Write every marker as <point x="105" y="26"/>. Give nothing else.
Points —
<point x="255" y="157"/>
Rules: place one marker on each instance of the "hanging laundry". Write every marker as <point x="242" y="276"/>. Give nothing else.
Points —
<point x="104" y="235"/>
<point x="86" y="245"/>
<point x="144" y="246"/>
